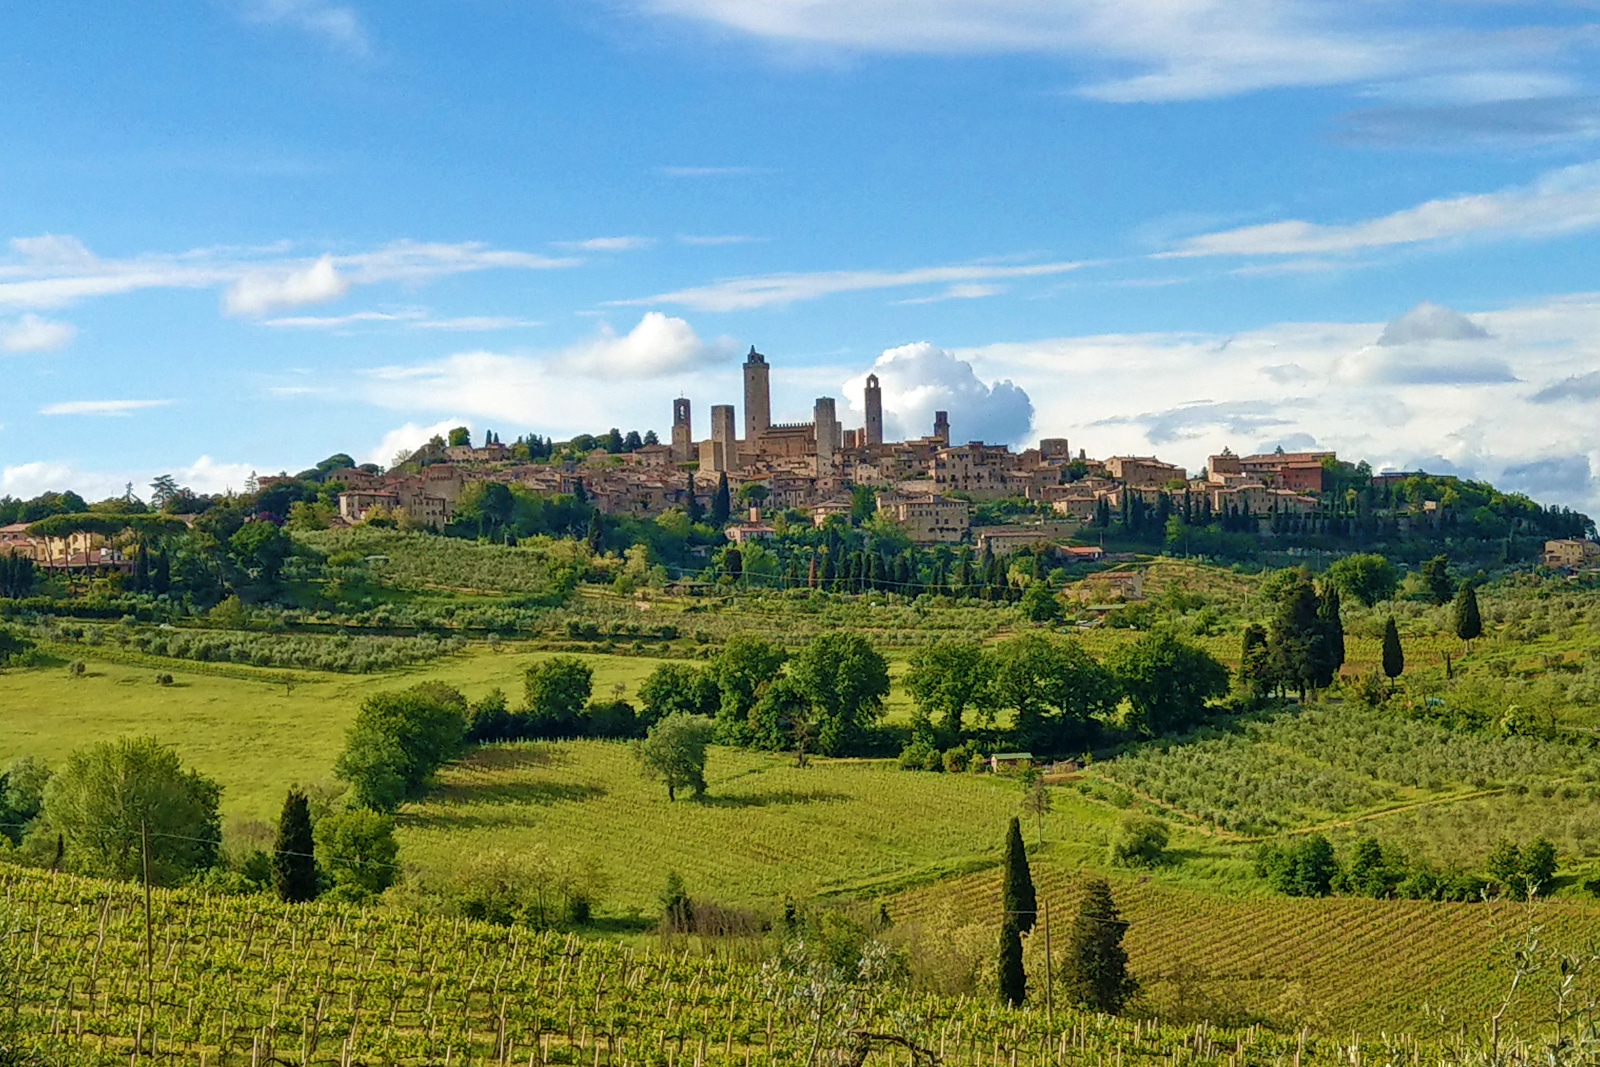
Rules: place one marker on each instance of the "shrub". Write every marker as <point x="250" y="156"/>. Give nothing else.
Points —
<point x="356" y="850"/>
<point x="1141" y="841"/>
<point x="919" y="756"/>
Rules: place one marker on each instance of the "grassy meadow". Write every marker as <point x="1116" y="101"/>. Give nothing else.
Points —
<point x="765" y="830"/>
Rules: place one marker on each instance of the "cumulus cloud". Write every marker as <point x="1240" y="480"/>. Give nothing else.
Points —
<point x="101" y="407"/>
<point x="256" y="294"/>
<point x="919" y="379"/>
<point x="1184" y="396"/>
<point x="1566" y="200"/>
<point x="1567" y="476"/>
<point x="1577" y="387"/>
<point x="658" y="345"/>
<point x="34" y="334"/>
<point x="204" y="475"/>
<point x="1431" y="322"/>
<point x="408" y="437"/>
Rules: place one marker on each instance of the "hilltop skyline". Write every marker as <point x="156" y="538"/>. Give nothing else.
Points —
<point x="257" y="232"/>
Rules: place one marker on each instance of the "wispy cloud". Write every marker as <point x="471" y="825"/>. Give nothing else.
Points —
<point x="608" y="244"/>
<point x="410" y="318"/>
<point x="335" y="24"/>
<point x="100" y="407"/>
<point x="716" y="239"/>
<point x="54" y="270"/>
<point x="712" y="172"/>
<point x="967" y="291"/>
<point x="768" y="290"/>
<point x="31" y="333"/>
<point x="1563" y="201"/>
<point x="1144" y="50"/>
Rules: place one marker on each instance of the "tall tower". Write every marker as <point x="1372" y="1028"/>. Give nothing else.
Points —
<point x="874" y="429"/>
<point x="757" y="396"/>
<point x="723" y="443"/>
<point x="825" y="416"/>
<point x="682" y="431"/>
<point x="941" y="427"/>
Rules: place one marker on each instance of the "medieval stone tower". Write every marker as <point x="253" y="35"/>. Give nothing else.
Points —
<point x="826" y="420"/>
<point x="682" y="431"/>
<point x="757" y="395"/>
<point x="941" y="427"/>
<point x="873" y="435"/>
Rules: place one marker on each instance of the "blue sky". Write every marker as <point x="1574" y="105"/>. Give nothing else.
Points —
<point x="244" y="234"/>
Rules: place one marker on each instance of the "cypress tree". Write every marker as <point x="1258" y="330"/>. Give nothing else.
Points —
<point x="1095" y="974"/>
<point x="294" y="872"/>
<point x="1469" y="624"/>
<point x="161" y="573"/>
<point x="1328" y="649"/>
<point x="720" y="506"/>
<point x="1394" y="657"/>
<point x="1011" y="978"/>
<point x="692" y="506"/>
<point x="141" y="569"/>
<point x="1255" y="660"/>
<point x="1016" y="895"/>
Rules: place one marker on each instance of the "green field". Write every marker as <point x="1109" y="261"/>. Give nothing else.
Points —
<point x="246" y="728"/>
<point x="765" y="830"/>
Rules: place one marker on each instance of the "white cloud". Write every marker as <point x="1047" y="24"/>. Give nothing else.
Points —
<point x="959" y="292"/>
<point x="204" y="475"/>
<point x="1431" y="322"/>
<point x="258" y="293"/>
<point x="713" y="239"/>
<point x="608" y="244"/>
<point x="54" y="271"/>
<point x="767" y="290"/>
<point x="1513" y="407"/>
<point x="919" y="379"/>
<point x="411" y="318"/>
<point x="409" y="437"/>
<point x="100" y="407"/>
<point x="337" y="25"/>
<point x="658" y="345"/>
<point x="1562" y="201"/>
<point x="1141" y="50"/>
<point x="605" y="381"/>
<point x="31" y="333"/>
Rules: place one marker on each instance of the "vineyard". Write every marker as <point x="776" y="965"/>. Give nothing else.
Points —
<point x="1300" y="768"/>
<point x="1335" y="963"/>
<point x="765" y="830"/>
<point x="418" y="561"/>
<point x="242" y="981"/>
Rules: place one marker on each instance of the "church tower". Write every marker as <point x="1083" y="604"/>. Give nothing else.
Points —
<point x="757" y="396"/>
<point x="873" y="435"/>
<point x="682" y="431"/>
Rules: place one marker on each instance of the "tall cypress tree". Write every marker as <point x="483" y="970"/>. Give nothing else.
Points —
<point x="161" y="573"/>
<point x="692" y="506"/>
<point x="1394" y="657"/>
<point x="294" y="872"/>
<point x="1016" y="894"/>
<point x="1011" y="979"/>
<point x="1328" y="649"/>
<point x="1469" y="624"/>
<point x="1096" y="971"/>
<point x="720" y="506"/>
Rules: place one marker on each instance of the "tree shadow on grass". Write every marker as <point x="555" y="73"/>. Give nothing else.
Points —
<point x="522" y="794"/>
<point x="780" y="798"/>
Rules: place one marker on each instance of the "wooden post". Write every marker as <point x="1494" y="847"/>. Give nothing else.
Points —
<point x="1049" y="977"/>
<point x="144" y="840"/>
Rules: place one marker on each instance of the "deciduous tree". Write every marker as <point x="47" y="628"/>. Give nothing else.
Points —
<point x="1167" y="681"/>
<point x="846" y="680"/>
<point x="675" y="752"/>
